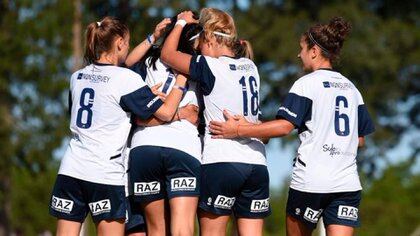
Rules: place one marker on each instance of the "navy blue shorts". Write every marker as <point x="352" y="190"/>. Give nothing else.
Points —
<point x="73" y="198"/>
<point x="238" y="187"/>
<point x="159" y="172"/>
<point x="335" y="208"/>
<point x="135" y="222"/>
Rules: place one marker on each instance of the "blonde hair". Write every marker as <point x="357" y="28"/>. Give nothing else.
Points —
<point x="215" y="20"/>
<point x="220" y="25"/>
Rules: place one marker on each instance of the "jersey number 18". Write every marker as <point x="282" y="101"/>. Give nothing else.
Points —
<point x="254" y="95"/>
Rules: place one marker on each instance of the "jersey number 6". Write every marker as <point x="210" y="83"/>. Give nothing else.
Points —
<point x="342" y="116"/>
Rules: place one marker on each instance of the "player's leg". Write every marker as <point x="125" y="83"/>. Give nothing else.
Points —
<point x="341" y="215"/>
<point x="250" y="227"/>
<point x="339" y="230"/>
<point x="108" y="207"/>
<point x="252" y="204"/>
<point x="212" y="224"/>
<point x="303" y="211"/>
<point x="147" y="184"/>
<point x="183" y="213"/>
<point x="183" y="174"/>
<point x="110" y="227"/>
<point x="68" y="228"/>
<point x="135" y="225"/>
<point x="67" y="205"/>
<point x="220" y="185"/>
<point x="156" y="218"/>
<point x="295" y="227"/>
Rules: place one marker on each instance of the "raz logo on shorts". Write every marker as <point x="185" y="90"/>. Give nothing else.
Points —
<point x="224" y="202"/>
<point x="312" y="215"/>
<point x="99" y="207"/>
<point x="260" y="205"/>
<point x="61" y="204"/>
<point x="347" y="212"/>
<point x="146" y="188"/>
<point x="183" y="184"/>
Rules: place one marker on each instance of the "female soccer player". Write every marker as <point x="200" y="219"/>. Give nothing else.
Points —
<point x="332" y="120"/>
<point x="165" y="157"/>
<point x="234" y="173"/>
<point x="102" y="97"/>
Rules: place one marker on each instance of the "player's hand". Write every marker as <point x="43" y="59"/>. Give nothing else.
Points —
<point x="188" y="16"/>
<point x="155" y="91"/>
<point x="227" y="129"/>
<point x="160" y="28"/>
<point x="189" y="113"/>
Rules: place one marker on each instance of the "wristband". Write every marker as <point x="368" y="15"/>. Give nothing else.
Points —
<point x="183" y="89"/>
<point x="150" y="39"/>
<point x="181" y="22"/>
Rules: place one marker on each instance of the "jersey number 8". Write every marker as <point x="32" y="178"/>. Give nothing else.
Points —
<point x="85" y="108"/>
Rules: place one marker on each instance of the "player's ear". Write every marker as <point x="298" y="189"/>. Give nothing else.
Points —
<point x="119" y="42"/>
<point x="314" y="52"/>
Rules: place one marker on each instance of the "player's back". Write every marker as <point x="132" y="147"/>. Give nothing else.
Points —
<point x="181" y="135"/>
<point x="98" y="124"/>
<point x="235" y="89"/>
<point x="326" y="159"/>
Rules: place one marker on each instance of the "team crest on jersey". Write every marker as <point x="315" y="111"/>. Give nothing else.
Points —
<point x="62" y="205"/>
<point x="99" y="207"/>
<point x="347" y="212"/>
<point x="260" y="205"/>
<point x="146" y="188"/>
<point x="183" y="184"/>
<point x="312" y="215"/>
<point x="224" y="202"/>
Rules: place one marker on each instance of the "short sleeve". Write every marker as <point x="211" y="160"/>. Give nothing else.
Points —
<point x="202" y="74"/>
<point x="136" y="97"/>
<point x="296" y="107"/>
<point x="140" y="68"/>
<point x="366" y="125"/>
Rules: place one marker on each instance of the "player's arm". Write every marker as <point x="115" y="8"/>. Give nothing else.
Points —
<point x="361" y="142"/>
<point x="232" y="128"/>
<point x="168" y="109"/>
<point x="189" y="113"/>
<point x="170" y="55"/>
<point x="141" y="49"/>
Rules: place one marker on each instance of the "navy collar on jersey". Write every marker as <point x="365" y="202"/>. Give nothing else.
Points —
<point x="230" y="56"/>
<point x="330" y="69"/>
<point x="102" y="64"/>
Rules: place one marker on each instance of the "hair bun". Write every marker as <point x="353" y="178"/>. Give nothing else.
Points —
<point x="339" y="28"/>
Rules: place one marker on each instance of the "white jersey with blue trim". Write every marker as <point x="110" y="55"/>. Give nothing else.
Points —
<point x="329" y="113"/>
<point x="180" y="135"/>
<point x="102" y="98"/>
<point x="229" y="84"/>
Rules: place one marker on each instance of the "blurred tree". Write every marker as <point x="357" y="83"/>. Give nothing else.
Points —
<point x="33" y="69"/>
<point x="381" y="56"/>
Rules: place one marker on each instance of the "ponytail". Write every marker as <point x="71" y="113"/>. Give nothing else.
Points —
<point x="100" y="37"/>
<point x="243" y="48"/>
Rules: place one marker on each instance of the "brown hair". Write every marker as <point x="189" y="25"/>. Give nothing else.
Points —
<point x="329" y="37"/>
<point x="215" y="20"/>
<point x="100" y="37"/>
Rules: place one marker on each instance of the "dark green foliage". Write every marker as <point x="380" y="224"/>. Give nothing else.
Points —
<point x="381" y="57"/>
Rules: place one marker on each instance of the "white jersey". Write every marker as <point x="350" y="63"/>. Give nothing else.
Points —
<point x="102" y="99"/>
<point x="329" y="113"/>
<point x="233" y="85"/>
<point x="180" y="135"/>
